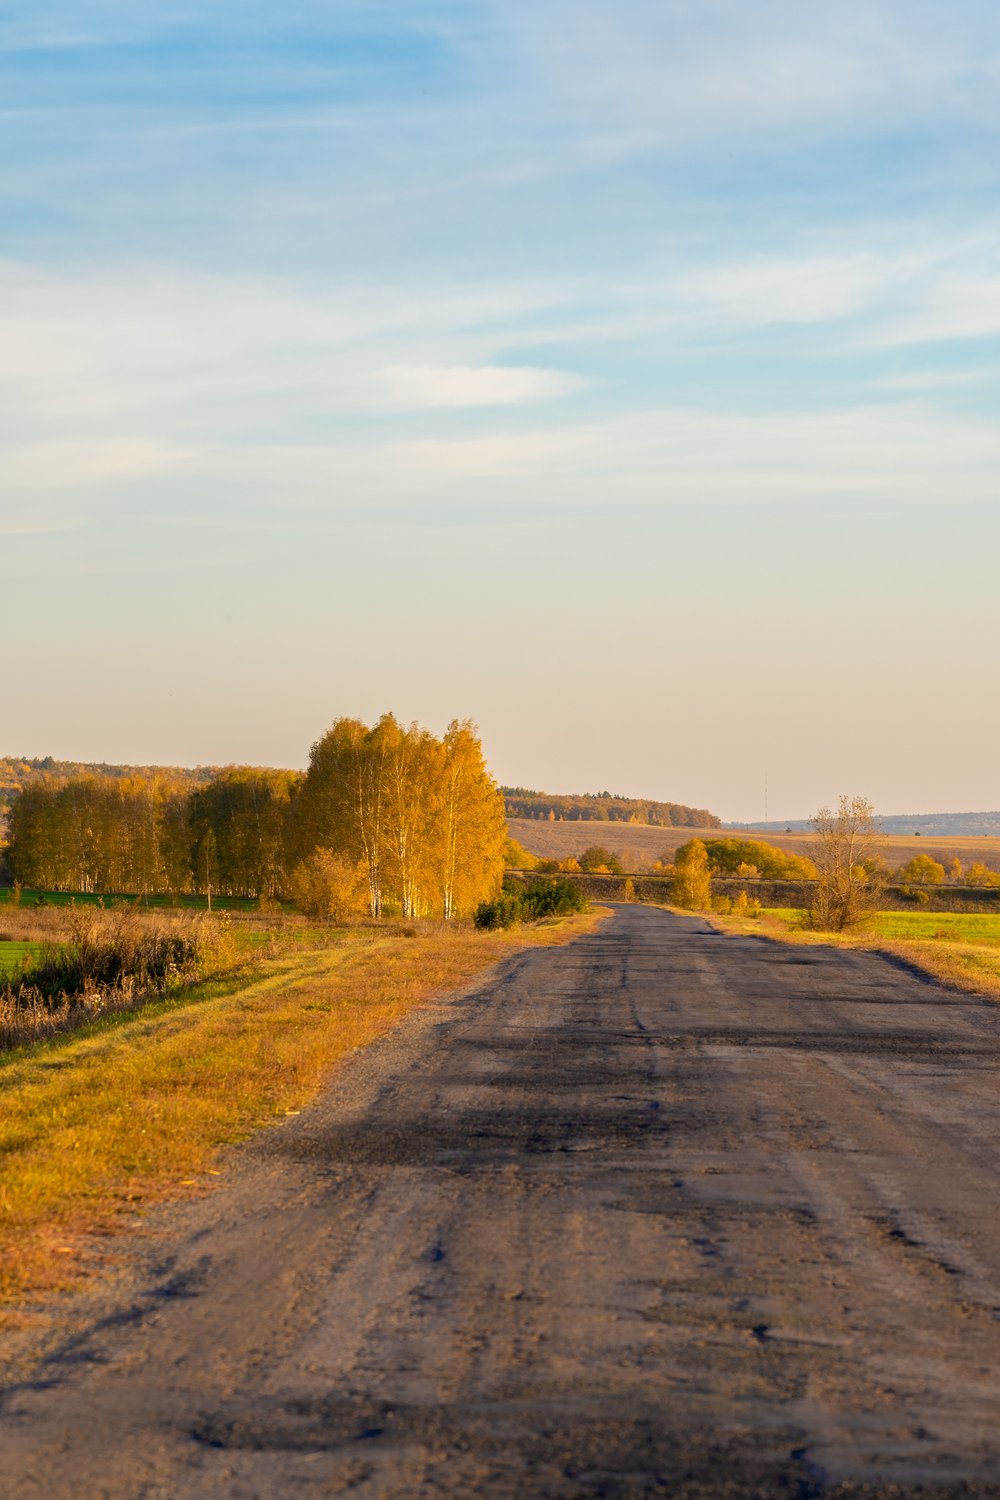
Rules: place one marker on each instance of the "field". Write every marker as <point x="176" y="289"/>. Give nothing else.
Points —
<point x="637" y="845"/>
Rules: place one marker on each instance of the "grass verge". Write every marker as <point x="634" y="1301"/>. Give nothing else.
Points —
<point x="99" y="1124"/>
<point x="960" y="949"/>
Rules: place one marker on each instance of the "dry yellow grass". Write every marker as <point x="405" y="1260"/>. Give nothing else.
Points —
<point x="95" y="1126"/>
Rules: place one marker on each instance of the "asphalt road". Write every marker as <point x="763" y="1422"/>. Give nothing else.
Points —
<point x="658" y="1213"/>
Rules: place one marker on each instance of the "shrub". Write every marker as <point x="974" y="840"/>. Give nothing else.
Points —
<point x="922" y="870"/>
<point x="120" y="954"/>
<point x="600" y="861"/>
<point x="542" y="898"/>
<point x="503" y="911"/>
<point x="552" y="898"/>
<point x="751" y="858"/>
<point x="692" y="887"/>
<point x="328" y="885"/>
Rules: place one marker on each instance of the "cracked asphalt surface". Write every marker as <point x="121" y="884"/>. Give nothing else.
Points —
<point x="662" y="1212"/>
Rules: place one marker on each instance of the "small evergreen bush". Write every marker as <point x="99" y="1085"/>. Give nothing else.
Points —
<point x="542" y="898"/>
<point x="503" y="911"/>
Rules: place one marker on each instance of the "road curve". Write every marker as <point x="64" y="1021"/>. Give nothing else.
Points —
<point x="658" y="1213"/>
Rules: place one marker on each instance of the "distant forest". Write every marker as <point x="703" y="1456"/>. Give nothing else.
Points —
<point x="20" y="771"/>
<point x="17" y="771"/>
<point x="387" y="817"/>
<point x="604" y="807"/>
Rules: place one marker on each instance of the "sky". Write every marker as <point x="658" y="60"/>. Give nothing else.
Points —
<point x="624" y="379"/>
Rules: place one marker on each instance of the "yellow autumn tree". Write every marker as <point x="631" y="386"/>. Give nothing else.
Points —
<point x="692" y="887"/>
<point x="422" y="815"/>
<point x="922" y="870"/>
<point x="472" y="822"/>
<point x="517" y="857"/>
<point x="101" y="833"/>
<point x="342" y="803"/>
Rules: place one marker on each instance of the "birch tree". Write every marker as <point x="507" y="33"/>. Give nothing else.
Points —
<point x="473" y="827"/>
<point x="692" y="887"/>
<point x="411" y="770"/>
<point x="845" y="852"/>
<point x="341" y="806"/>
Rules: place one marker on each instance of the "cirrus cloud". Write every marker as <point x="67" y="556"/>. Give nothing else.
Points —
<point x="467" y="385"/>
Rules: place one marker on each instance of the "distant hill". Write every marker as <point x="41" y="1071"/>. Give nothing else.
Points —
<point x="603" y="807"/>
<point x="931" y="825"/>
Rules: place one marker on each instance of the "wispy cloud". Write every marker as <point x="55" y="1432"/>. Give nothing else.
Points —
<point x="808" y="288"/>
<point x="674" y="73"/>
<point x="79" y="466"/>
<point x="934" y="380"/>
<point x="150" y="374"/>
<point x="151" y="348"/>
<point x="465" y="386"/>
<point x="956" y="307"/>
<point x="902" y="453"/>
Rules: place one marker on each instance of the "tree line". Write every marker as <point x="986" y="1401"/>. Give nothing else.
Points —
<point x="749" y="859"/>
<point x="387" y="817"/>
<point x="19" y="771"/>
<point x="603" y="807"/>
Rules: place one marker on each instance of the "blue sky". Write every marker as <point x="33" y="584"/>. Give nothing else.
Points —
<point x="625" y="381"/>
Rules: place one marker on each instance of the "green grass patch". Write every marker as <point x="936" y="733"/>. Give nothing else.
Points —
<point x="160" y="901"/>
<point x="13" y="957"/>
<point x="793" y="916"/>
<point x="981" y="929"/>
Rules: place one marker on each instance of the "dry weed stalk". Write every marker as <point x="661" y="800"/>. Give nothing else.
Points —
<point x="95" y="961"/>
